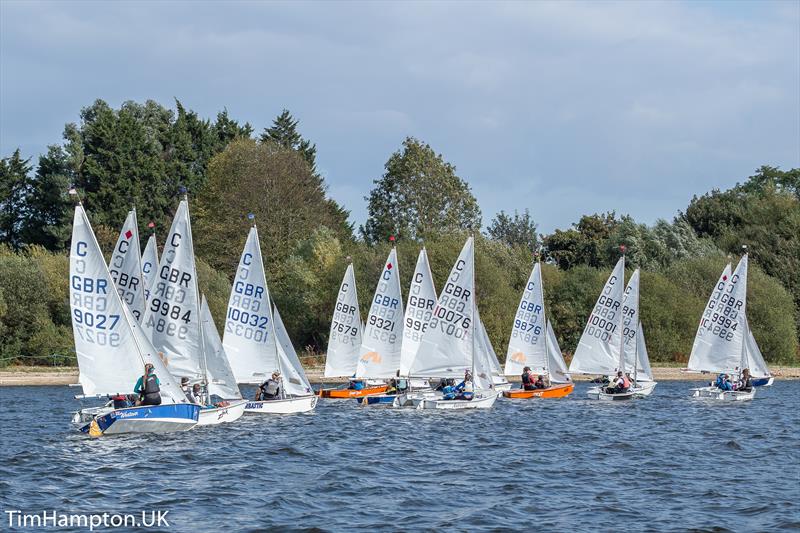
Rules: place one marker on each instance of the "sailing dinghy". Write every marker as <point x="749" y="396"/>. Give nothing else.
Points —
<point x="125" y="266"/>
<point x="533" y="344"/>
<point x="112" y="349"/>
<point x="344" y="341"/>
<point x="721" y="345"/>
<point x="256" y="341"/>
<point x="450" y="345"/>
<point x="149" y="262"/>
<point x="174" y="318"/>
<point x="600" y="350"/>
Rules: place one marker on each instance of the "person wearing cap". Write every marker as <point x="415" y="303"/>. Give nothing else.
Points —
<point x="270" y="389"/>
<point x="148" y="387"/>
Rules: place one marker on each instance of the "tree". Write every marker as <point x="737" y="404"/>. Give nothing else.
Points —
<point x="275" y="184"/>
<point x="519" y="230"/>
<point x="418" y="195"/>
<point x="48" y="220"/>
<point x="583" y="244"/>
<point x="284" y="133"/>
<point x="14" y="172"/>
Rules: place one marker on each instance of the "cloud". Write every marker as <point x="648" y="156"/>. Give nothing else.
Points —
<point x="560" y="107"/>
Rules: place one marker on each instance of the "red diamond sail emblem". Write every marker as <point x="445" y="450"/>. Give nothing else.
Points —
<point x="128" y="234"/>
<point x="724" y="278"/>
<point x="389" y="266"/>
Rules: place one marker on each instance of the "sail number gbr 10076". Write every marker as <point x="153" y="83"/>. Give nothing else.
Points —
<point x="450" y="315"/>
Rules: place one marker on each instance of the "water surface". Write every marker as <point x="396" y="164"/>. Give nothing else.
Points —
<point x="662" y="463"/>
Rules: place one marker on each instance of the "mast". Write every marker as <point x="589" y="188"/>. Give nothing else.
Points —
<point x="544" y="323"/>
<point x="743" y="359"/>
<point x="474" y="306"/>
<point x="204" y="366"/>
<point x="621" y="324"/>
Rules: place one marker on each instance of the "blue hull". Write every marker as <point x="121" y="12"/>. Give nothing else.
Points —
<point x="148" y="419"/>
<point x="377" y="400"/>
<point x="762" y="382"/>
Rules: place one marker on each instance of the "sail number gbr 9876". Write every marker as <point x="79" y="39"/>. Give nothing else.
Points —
<point x="452" y="313"/>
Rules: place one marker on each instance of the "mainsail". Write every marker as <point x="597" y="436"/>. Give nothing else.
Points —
<point x="527" y="345"/>
<point x="125" y="266"/>
<point x="556" y="365"/>
<point x="380" y="346"/>
<point x="447" y="347"/>
<point x="720" y="342"/>
<point x="172" y="318"/>
<point x="149" y="264"/>
<point x="595" y="353"/>
<point x="419" y="308"/>
<point x="249" y="337"/>
<point x="758" y="367"/>
<point x="110" y="346"/>
<point x="221" y="380"/>
<point x="630" y="321"/>
<point x="344" y="341"/>
<point x="643" y="371"/>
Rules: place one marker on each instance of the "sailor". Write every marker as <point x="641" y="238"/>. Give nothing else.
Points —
<point x="527" y="379"/>
<point x="619" y="384"/>
<point x="723" y="382"/>
<point x="196" y="396"/>
<point x="148" y="387"/>
<point x="356" y="384"/>
<point x="449" y="392"/>
<point x="745" y="384"/>
<point x="464" y="390"/>
<point x="539" y="383"/>
<point x="185" y="388"/>
<point x="270" y="389"/>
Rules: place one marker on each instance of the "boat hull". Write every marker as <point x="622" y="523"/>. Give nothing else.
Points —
<point x="165" y="418"/>
<point x="763" y="382"/>
<point x="713" y="393"/>
<point x="221" y="415"/>
<point x="555" y="391"/>
<point x="644" y="388"/>
<point x="287" y="406"/>
<point x="377" y="399"/>
<point x="616" y="397"/>
<point x="352" y="393"/>
<point x="502" y="386"/>
<point x="483" y="400"/>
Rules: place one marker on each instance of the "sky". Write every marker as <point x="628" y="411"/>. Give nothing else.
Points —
<point x="562" y="108"/>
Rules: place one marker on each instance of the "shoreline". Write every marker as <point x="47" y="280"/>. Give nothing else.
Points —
<point x="43" y="376"/>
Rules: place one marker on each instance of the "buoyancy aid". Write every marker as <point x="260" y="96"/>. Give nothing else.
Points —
<point x="626" y="383"/>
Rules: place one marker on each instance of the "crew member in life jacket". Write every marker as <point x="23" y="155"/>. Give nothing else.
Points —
<point x="148" y="387"/>
<point x="723" y="382"/>
<point x="540" y="382"/>
<point x="197" y="395"/>
<point x="745" y="384"/>
<point x="464" y="390"/>
<point x="270" y="389"/>
<point x="185" y="388"/>
<point x="619" y="384"/>
<point x="528" y="383"/>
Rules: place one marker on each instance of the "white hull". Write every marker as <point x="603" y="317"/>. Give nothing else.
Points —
<point x="301" y="404"/>
<point x="482" y="400"/>
<point x="221" y="415"/>
<point x="598" y="393"/>
<point x="413" y="398"/>
<point x="713" y="393"/>
<point x="644" y="388"/>
<point x="502" y="386"/>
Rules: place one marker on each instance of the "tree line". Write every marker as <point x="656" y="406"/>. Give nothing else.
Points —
<point x="142" y="154"/>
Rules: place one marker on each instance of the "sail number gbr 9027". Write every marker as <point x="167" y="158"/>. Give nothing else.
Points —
<point x="451" y="315"/>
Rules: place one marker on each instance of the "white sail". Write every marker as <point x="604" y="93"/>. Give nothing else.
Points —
<point x="379" y="356"/>
<point x="172" y="318"/>
<point x="295" y="381"/>
<point x="149" y="265"/>
<point x="527" y="345"/>
<point x="486" y="374"/>
<point x="700" y="358"/>
<point x="221" y="381"/>
<point x="595" y="353"/>
<point x="110" y="346"/>
<point x="125" y="266"/>
<point x="758" y="367"/>
<point x="643" y="370"/>
<point x="344" y="342"/>
<point x="630" y="320"/>
<point x="557" y="367"/>
<point x="249" y="337"/>
<point x="447" y="344"/>
<point x="719" y="344"/>
<point x="493" y="361"/>
<point x="421" y="301"/>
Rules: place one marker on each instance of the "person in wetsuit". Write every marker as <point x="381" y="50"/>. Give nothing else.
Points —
<point x="148" y="387"/>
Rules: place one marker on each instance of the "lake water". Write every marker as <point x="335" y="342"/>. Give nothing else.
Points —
<point x="662" y="463"/>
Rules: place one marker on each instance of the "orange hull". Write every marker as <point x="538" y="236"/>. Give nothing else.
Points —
<point x="556" y="391"/>
<point x="350" y="393"/>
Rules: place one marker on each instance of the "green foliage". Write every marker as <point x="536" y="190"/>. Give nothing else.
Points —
<point x="517" y="230"/>
<point x="419" y="195"/>
<point x="283" y="132"/>
<point x="763" y="213"/>
<point x="275" y="184"/>
<point x="13" y="192"/>
<point x="585" y="243"/>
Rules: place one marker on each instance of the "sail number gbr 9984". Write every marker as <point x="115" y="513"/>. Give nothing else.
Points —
<point x="452" y="314"/>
